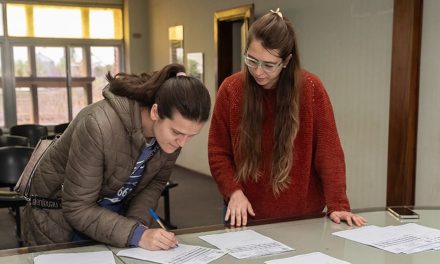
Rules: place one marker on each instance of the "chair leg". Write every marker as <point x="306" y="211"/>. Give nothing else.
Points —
<point x="18" y="225"/>
<point x="166" y="205"/>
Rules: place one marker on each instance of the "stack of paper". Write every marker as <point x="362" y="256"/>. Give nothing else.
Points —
<point x="408" y="238"/>
<point x="246" y="244"/>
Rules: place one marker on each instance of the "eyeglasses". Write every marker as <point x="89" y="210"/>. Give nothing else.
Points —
<point x="265" y="66"/>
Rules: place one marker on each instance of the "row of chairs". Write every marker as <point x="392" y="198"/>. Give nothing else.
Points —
<point x="15" y="151"/>
<point x="35" y="132"/>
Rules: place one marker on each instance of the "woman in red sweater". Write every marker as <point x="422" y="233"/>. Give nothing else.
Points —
<point x="273" y="148"/>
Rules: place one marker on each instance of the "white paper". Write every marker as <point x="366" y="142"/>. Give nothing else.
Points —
<point x="181" y="254"/>
<point x="246" y="244"/>
<point x="408" y="238"/>
<point x="315" y="258"/>
<point x="100" y="257"/>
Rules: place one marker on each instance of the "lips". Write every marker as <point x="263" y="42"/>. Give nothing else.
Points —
<point x="260" y="80"/>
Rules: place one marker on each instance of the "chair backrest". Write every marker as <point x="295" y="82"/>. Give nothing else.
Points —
<point x="59" y="129"/>
<point x="13" y="159"/>
<point x="32" y="131"/>
<point x="6" y="140"/>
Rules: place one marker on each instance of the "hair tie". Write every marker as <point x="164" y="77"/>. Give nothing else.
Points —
<point x="180" y="74"/>
<point x="277" y="12"/>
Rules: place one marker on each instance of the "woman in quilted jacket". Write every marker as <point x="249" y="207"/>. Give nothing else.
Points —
<point x="111" y="164"/>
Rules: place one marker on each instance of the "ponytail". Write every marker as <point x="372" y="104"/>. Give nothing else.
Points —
<point x="169" y="88"/>
<point x="142" y="88"/>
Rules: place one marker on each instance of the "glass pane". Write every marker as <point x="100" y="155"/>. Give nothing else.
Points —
<point x="51" y="62"/>
<point x="175" y="36"/>
<point x="52" y="105"/>
<point x="105" y="23"/>
<point x="2" y="31"/>
<point x="78" y="66"/>
<point x="63" y="21"/>
<point x="21" y="62"/>
<point x="79" y="99"/>
<point x="25" y="112"/>
<point x="1" y="72"/>
<point x="50" y="21"/>
<point x="104" y="59"/>
<point x="17" y="20"/>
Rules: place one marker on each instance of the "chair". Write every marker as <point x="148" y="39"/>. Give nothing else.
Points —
<point x="59" y="129"/>
<point x="13" y="159"/>
<point x="166" y="204"/>
<point x="6" y="140"/>
<point x="32" y="131"/>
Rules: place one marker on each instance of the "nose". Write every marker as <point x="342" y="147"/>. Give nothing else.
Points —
<point x="182" y="140"/>
<point x="259" y="70"/>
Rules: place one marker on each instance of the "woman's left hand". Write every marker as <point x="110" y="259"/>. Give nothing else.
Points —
<point x="349" y="217"/>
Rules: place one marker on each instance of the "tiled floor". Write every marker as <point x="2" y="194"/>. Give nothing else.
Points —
<point x="195" y="202"/>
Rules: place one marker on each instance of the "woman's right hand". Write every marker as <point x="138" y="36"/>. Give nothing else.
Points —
<point x="238" y="209"/>
<point x="157" y="239"/>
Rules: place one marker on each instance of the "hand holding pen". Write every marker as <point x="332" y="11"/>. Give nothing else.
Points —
<point x="157" y="238"/>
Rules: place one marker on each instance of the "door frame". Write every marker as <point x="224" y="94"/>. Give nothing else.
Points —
<point x="222" y="39"/>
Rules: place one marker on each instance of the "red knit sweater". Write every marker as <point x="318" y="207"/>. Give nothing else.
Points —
<point x="318" y="173"/>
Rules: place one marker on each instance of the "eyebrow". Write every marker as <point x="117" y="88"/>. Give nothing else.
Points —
<point x="252" y="57"/>
<point x="179" y="132"/>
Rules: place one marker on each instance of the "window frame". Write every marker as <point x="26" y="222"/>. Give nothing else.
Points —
<point x="8" y="80"/>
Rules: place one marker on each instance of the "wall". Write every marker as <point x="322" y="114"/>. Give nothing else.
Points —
<point x="136" y="36"/>
<point x="428" y="147"/>
<point x="347" y="43"/>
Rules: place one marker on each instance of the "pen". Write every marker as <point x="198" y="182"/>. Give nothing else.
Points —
<point x="156" y="218"/>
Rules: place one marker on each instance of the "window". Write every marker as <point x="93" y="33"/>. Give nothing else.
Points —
<point x="46" y="81"/>
<point x="104" y="59"/>
<point x="60" y="55"/>
<point x="48" y="21"/>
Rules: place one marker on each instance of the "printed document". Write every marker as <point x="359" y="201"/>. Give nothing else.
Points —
<point x="246" y="244"/>
<point x="100" y="257"/>
<point x="315" y="258"/>
<point x="408" y="238"/>
<point x="178" y="255"/>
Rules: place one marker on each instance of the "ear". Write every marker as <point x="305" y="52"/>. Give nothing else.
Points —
<point x="286" y="61"/>
<point x="154" y="114"/>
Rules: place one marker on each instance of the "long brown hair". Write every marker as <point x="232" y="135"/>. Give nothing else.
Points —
<point x="275" y="33"/>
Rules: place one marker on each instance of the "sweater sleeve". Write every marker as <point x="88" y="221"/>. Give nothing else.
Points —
<point x="329" y="156"/>
<point x="220" y="148"/>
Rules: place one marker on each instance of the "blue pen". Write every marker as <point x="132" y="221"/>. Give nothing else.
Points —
<point x="156" y="218"/>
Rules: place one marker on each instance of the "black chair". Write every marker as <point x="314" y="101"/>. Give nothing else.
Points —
<point x="6" y="140"/>
<point x="166" y="204"/>
<point x="13" y="159"/>
<point x="59" y="129"/>
<point x="32" y="131"/>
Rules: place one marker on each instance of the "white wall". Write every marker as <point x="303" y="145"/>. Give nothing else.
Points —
<point x="428" y="142"/>
<point x="347" y="43"/>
